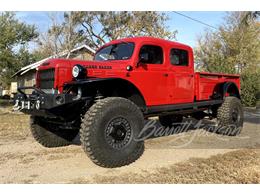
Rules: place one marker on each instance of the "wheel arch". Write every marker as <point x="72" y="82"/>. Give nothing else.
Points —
<point x="112" y="87"/>
<point x="222" y="89"/>
<point x="127" y="90"/>
<point x="231" y="88"/>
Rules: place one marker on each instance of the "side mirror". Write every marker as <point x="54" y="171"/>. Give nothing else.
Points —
<point x="143" y="58"/>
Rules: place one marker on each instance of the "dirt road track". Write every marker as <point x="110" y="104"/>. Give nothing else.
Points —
<point x="25" y="161"/>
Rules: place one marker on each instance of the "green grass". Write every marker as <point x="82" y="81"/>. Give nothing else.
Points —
<point x="5" y="103"/>
<point x="13" y="126"/>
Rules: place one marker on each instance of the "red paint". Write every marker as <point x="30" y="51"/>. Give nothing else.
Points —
<point x="159" y="83"/>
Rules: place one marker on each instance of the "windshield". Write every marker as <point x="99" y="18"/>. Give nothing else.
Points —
<point x="119" y="51"/>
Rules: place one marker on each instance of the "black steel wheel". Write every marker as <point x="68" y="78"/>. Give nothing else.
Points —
<point x="118" y="133"/>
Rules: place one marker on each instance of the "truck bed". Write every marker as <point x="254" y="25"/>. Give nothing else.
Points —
<point x="205" y="83"/>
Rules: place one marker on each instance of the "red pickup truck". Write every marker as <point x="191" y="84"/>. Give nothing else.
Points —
<point x="106" y="100"/>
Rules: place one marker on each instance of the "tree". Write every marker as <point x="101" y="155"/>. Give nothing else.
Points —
<point x="97" y="28"/>
<point x="14" y="38"/>
<point x="61" y="36"/>
<point x="249" y="16"/>
<point x="233" y="48"/>
<point x="101" y="27"/>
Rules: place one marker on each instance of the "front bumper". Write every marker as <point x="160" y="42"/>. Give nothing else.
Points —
<point x="48" y="105"/>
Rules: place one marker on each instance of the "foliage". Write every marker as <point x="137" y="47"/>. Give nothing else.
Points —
<point x="14" y="38"/>
<point x="100" y="27"/>
<point x="61" y="36"/>
<point x="97" y="28"/>
<point x="248" y="16"/>
<point x="250" y="87"/>
<point x="233" y="48"/>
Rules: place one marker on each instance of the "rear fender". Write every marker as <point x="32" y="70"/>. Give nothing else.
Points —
<point x="230" y="89"/>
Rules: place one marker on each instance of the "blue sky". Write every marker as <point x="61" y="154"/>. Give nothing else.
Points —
<point x="188" y="30"/>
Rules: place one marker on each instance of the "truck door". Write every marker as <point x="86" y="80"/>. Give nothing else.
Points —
<point x="150" y="75"/>
<point x="181" y="75"/>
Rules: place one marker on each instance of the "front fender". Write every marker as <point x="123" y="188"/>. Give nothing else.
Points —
<point x="117" y="86"/>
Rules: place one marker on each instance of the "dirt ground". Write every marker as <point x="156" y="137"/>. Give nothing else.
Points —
<point x="196" y="156"/>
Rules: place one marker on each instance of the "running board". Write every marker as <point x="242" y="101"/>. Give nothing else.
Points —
<point x="181" y="108"/>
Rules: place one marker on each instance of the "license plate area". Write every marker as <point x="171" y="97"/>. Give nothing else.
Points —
<point x="27" y="105"/>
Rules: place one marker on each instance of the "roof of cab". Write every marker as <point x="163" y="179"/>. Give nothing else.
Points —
<point x="147" y="38"/>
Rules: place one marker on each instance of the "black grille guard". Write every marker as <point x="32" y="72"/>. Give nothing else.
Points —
<point x="20" y="90"/>
<point x="40" y="103"/>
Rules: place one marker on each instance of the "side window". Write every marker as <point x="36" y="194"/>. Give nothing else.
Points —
<point x="179" y="57"/>
<point x="154" y="53"/>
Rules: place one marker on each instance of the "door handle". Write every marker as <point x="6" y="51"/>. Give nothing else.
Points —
<point x="165" y="74"/>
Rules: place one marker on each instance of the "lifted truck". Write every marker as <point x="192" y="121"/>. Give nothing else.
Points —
<point x="106" y="100"/>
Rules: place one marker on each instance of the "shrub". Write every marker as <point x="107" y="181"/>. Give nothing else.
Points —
<point x="250" y="87"/>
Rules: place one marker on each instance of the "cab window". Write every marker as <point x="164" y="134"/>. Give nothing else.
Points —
<point x="179" y="57"/>
<point x="154" y="53"/>
<point x="119" y="51"/>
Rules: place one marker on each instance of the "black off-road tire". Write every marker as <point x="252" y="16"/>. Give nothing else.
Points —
<point x="99" y="132"/>
<point x="49" y="135"/>
<point x="230" y="117"/>
<point x="169" y="120"/>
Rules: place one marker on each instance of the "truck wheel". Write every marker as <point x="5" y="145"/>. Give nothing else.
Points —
<point x="108" y="132"/>
<point x="49" y="135"/>
<point x="168" y="120"/>
<point x="230" y="117"/>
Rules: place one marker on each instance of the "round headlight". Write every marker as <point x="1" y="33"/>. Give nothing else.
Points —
<point x="78" y="71"/>
<point x="75" y="71"/>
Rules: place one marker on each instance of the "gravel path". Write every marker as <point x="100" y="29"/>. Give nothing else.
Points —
<point x="22" y="160"/>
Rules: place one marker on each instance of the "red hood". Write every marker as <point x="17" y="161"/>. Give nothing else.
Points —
<point x="97" y="69"/>
<point x="115" y="64"/>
